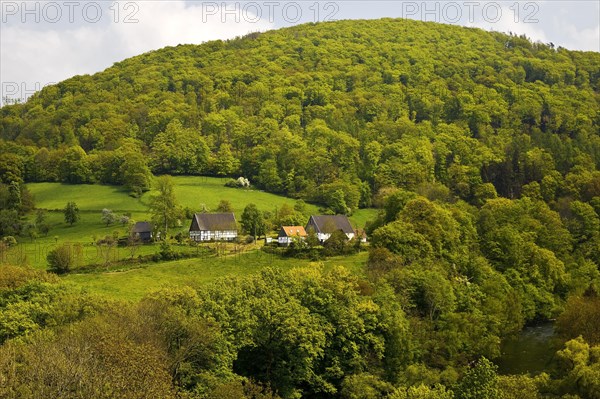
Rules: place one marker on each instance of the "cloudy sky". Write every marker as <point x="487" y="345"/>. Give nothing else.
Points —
<point x="42" y="42"/>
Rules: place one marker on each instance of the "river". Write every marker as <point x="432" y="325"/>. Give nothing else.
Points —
<point x="531" y="351"/>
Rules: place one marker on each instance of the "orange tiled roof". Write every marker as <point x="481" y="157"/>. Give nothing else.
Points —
<point x="291" y="231"/>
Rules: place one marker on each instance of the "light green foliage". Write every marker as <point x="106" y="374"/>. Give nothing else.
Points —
<point x="479" y="108"/>
<point x="580" y="369"/>
<point x="268" y="176"/>
<point x="288" y="216"/>
<point x="164" y="206"/>
<point x="61" y="259"/>
<point x="134" y="172"/>
<point x="401" y="238"/>
<point x="365" y="386"/>
<point x="108" y="217"/>
<point x="422" y="392"/>
<point x="480" y="382"/>
<point x="395" y="202"/>
<point x="529" y="243"/>
<point x="224" y="163"/>
<point x="519" y="387"/>
<point x="179" y="150"/>
<point x="496" y="134"/>
<point x="33" y="300"/>
<point x="224" y="206"/>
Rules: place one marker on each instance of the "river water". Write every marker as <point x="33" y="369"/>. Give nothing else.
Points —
<point x="531" y="351"/>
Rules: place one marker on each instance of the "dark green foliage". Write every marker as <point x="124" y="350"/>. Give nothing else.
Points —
<point x="581" y="317"/>
<point x="71" y="213"/>
<point x="337" y="244"/>
<point x="9" y="223"/>
<point x="303" y="331"/>
<point x="166" y="251"/>
<point x="253" y="221"/>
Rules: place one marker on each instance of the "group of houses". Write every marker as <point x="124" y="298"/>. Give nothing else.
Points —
<point x="322" y="225"/>
<point x="223" y="227"/>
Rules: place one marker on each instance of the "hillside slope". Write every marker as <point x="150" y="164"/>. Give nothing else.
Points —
<point x="332" y="112"/>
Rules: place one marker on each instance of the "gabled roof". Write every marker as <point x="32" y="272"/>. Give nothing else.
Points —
<point x="329" y="223"/>
<point x="213" y="222"/>
<point x="142" y="227"/>
<point x="360" y="233"/>
<point x="291" y="231"/>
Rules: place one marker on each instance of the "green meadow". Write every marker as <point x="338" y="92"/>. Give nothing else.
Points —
<point x="132" y="283"/>
<point x="191" y="191"/>
<point x="135" y="283"/>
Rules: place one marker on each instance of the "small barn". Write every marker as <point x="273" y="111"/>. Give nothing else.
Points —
<point x="287" y="234"/>
<point x="324" y="225"/>
<point x="213" y="227"/>
<point x="142" y="231"/>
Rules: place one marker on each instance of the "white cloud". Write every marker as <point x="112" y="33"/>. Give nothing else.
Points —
<point x="33" y="55"/>
<point x="163" y="23"/>
<point x="569" y="36"/>
<point x="576" y="27"/>
<point x="511" y="19"/>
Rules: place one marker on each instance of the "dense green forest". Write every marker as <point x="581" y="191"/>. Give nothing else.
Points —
<point x="350" y="106"/>
<point x="481" y="151"/>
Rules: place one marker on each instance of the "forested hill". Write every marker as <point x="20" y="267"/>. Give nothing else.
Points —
<point x="428" y="122"/>
<point x="350" y="107"/>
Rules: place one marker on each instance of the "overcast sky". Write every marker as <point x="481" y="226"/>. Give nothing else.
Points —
<point x="43" y="42"/>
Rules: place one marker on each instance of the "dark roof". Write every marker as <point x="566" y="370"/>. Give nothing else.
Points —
<point x="330" y="223"/>
<point x="142" y="227"/>
<point x="213" y="222"/>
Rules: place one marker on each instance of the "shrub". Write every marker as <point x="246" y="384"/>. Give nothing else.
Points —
<point x="240" y="182"/>
<point x="61" y="259"/>
<point x="10" y="241"/>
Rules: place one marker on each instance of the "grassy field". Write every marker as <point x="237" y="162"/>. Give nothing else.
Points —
<point x="134" y="284"/>
<point x="86" y="231"/>
<point x="195" y="191"/>
<point x="88" y="197"/>
<point x="192" y="192"/>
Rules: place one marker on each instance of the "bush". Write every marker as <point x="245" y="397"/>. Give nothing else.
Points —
<point x="61" y="259"/>
<point x="10" y="241"/>
<point x="240" y="182"/>
<point x="337" y="244"/>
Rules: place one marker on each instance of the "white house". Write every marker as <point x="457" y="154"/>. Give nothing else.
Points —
<point x="287" y="234"/>
<point x="213" y="227"/>
<point x="324" y="225"/>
